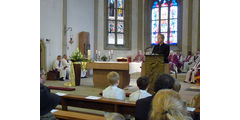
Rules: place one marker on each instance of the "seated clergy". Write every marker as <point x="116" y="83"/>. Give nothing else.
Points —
<point x="142" y="84"/>
<point x="173" y="61"/>
<point x="192" y="72"/>
<point x="67" y="64"/>
<point x="113" y="91"/>
<point x="48" y="101"/>
<point x="57" y="65"/>
<point x="139" y="57"/>
<point x="180" y="61"/>
<point x="188" y="62"/>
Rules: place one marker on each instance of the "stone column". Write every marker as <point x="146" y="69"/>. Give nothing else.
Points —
<point x="185" y="27"/>
<point x="195" y="25"/>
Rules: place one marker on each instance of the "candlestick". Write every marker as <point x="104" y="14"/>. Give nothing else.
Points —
<point x="89" y="53"/>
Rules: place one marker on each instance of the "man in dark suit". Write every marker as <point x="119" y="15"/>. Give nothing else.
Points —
<point x="161" y="48"/>
<point x="143" y="106"/>
<point x="48" y="101"/>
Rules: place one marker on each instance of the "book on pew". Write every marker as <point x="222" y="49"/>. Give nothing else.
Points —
<point x="190" y="109"/>
<point x="93" y="97"/>
<point x="61" y="94"/>
<point x="54" y="110"/>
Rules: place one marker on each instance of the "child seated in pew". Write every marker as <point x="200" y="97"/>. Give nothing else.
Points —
<point x="142" y="84"/>
<point x="113" y="91"/>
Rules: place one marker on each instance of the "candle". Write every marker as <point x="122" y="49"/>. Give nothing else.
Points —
<point x="99" y="53"/>
<point x="96" y="51"/>
<point x="109" y="53"/>
<point x="89" y="53"/>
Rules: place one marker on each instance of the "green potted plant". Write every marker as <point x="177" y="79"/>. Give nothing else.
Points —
<point x="104" y="58"/>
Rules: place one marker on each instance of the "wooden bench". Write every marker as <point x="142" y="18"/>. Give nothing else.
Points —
<point x="103" y="104"/>
<point x="69" y="115"/>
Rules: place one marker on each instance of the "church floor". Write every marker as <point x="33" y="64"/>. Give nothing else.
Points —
<point x="87" y="89"/>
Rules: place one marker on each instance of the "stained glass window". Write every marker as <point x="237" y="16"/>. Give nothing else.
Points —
<point x="165" y="19"/>
<point x="115" y="21"/>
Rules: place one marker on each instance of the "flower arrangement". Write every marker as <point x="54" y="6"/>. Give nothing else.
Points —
<point x="77" y="56"/>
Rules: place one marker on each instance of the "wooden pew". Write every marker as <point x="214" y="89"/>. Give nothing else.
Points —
<point x="103" y="104"/>
<point x="127" y="94"/>
<point x="69" y="115"/>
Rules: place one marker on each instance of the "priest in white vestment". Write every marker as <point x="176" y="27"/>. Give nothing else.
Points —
<point x="191" y="73"/>
<point x="67" y="65"/>
<point x="188" y="62"/>
<point x="57" y="65"/>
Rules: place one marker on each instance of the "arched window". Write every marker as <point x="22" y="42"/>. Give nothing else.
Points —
<point x="115" y="22"/>
<point x="165" y="21"/>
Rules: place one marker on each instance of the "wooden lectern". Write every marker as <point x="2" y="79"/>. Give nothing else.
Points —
<point x="151" y="67"/>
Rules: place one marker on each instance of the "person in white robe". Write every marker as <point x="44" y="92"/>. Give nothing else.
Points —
<point x="113" y="91"/>
<point x="192" y="72"/>
<point x="57" y="65"/>
<point x="142" y="84"/>
<point x="67" y="64"/>
<point x="188" y="62"/>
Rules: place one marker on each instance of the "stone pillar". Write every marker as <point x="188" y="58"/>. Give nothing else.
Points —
<point x="64" y="23"/>
<point x="195" y="25"/>
<point x="185" y="27"/>
<point x="140" y="24"/>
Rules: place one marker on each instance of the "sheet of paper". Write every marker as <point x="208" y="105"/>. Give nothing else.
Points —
<point x="61" y="94"/>
<point x="190" y="109"/>
<point x="54" y="110"/>
<point x="93" y="97"/>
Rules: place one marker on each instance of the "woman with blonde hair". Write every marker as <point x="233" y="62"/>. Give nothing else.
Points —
<point x="168" y="105"/>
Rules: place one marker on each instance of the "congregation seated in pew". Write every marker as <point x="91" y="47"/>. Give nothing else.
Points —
<point x="142" y="84"/>
<point x="113" y="91"/>
<point x="168" y="105"/>
<point x="143" y="106"/>
<point x="48" y="101"/>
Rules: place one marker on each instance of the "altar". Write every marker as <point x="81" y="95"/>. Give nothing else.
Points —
<point x="101" y="69"/>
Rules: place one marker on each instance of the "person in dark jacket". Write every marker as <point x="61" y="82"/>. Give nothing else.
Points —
<point x="161" y="48"/>
<point x="143" y="106"/>
<point x="48" y="101"/>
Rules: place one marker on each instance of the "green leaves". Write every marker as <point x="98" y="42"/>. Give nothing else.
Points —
<point x="77" y="56"/>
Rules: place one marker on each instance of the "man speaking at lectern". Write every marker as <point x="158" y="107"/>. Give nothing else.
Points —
<point x="161" y="48"/>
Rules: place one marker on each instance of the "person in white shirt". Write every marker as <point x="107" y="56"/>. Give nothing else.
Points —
<point x="59" y="67"/>
<point x="67" y="63"/>
<point x="142" y="84"/>
<point x="113" y="91"/>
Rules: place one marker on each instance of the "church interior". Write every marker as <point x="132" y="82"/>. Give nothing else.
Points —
<point x="83" y="41"/>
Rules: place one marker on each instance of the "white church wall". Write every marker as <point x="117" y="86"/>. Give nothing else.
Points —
<point x="51" y="28"/>
<point x="134" y="30"/>
<point x="80" y="16"/>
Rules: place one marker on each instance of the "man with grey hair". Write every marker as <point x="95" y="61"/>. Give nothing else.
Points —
<point x="48" y="101"/>
<point x="161" y="48"/>
<point x="57" y="65"/>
